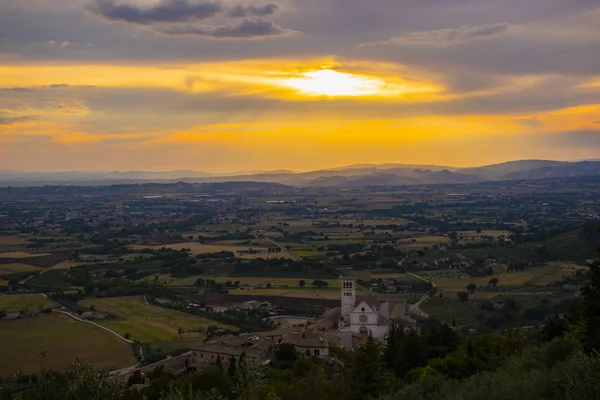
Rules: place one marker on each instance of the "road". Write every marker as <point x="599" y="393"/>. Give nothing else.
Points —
<point x="283" y="249"/>
<point x="416" y="308"/>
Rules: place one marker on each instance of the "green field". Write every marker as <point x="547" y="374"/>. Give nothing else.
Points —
<point x="148" y="323"/>
<point x="52" y="278"/>
<point x="63" y="339"/>
<point x="454" y="280"/>
<point x="25" y="302"/>
<point x="17" y="267"/>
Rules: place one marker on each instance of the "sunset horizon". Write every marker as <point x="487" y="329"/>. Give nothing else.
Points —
<point x="228" y="86"/>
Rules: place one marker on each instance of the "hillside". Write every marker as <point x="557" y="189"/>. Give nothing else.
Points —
<point x="353" y="175"/>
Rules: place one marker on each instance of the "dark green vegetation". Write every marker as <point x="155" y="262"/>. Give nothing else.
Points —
<point x="560" y="361"/>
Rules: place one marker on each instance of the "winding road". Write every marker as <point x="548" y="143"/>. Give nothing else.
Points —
<point x="120" y="371"/>
<point x="416" y="308"/>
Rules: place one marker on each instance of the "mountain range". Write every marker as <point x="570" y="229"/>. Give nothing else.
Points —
<point x="351" y="175"/>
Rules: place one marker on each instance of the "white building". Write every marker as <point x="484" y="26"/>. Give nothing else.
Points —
<point x="370" y="315"/>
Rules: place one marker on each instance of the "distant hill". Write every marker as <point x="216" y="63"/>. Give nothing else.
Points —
<point x="352" y="175"/>
<point x="500" y="171"/>
<point x="570" y="170"/>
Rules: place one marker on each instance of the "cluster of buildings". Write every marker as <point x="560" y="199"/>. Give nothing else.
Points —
<point x="357" y="318"/>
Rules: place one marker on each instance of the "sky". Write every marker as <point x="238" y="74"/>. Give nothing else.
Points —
<point x="228" y="85"/>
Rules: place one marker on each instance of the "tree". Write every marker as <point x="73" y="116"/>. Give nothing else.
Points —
<point x="301" y="283"/>
<point x="319" y="283"/>
<point x="127" y="335"/>
<point x="471" y="287"/>
<point x="231" y="367"/>
<point x="268" y="285"/>
<point x="89" y="288"/>
<point x="286" y="352"/>
<point x="367" y="371"/>
<point x="493" y="282"/>
<point x="554" y="327"/>
<point x="591" y="308"/>
<point x="219" y="363"/>
<point x="463" y="296"/>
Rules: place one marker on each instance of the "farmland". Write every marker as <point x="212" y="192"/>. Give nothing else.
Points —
<point x="62" y="339"/>
<point x="25" y="302"/>
<point x="6" y="269"/>
<point x="21" y="254"/>
<point x="199" y="248"/>
<point x="455" y="281"/>
<point x="148" y="323"/>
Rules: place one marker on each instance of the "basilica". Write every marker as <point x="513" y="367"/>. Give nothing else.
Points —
<point x="369" y="315"/>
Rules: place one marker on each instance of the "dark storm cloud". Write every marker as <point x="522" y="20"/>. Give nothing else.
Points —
<point x="255" y="11"/>
<point x="164" y="11"/>
<point x="245" y="29"/>
<point x="449" y="36"/>
<point x="176" y="11"/>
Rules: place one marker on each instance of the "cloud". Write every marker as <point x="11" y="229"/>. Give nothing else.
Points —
<point x="51" y="43"/>
<point x="65" y="44"/>
<point x="89" y="45"/>
<point x="445" y="37"/>
<point x="531" y="122"/>
<point x="575" y="139"/>
<point x="165" y="11"/>
<point x="14" y="120"/>
<point x="245" y="29"/>
<point x="239" y="11"/>
<point x="176" y="11"/>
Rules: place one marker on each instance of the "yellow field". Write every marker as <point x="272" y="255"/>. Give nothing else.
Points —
<point x="12" y="240"/>
<point x="21" y="254"/>
<point x="199" y="248"/>
<point x="424" y="241"/>
<point x="18" y="267"/>
<point x="27" y="302"/>
<point x="3" y="282"/>
<point x="63" y="339"/>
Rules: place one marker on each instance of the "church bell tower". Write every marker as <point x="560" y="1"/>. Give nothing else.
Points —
<point x="348" y="296"/>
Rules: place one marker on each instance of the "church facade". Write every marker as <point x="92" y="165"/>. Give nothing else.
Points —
<point x="369" y="316"/>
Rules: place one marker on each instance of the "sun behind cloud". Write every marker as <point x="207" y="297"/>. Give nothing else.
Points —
<point x="329" y="82"/>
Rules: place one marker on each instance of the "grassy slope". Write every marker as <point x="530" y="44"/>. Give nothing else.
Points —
<point x="148" y="323"/>
<point x="63" y="339"/>
<point x="29" y="302"/>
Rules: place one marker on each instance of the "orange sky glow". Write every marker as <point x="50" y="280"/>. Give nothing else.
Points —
<point x="278" y="95"/>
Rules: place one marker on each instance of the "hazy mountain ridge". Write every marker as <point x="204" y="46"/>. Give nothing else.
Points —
<point x="353" y="175"/>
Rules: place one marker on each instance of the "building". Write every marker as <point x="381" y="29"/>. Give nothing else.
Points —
<point x="369" y="315"/>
